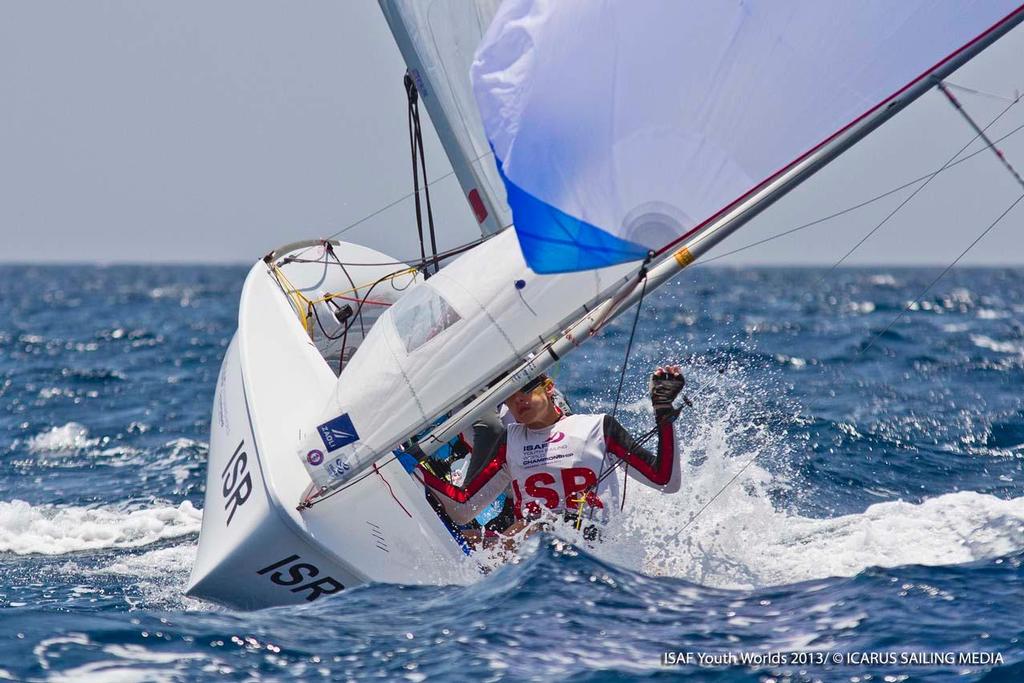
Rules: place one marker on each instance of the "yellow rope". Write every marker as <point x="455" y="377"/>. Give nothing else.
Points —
<point x="294" y="295"/>
<point x="303" y="304"/>
<point x="579" y="510"/>
<point x="354" y="290"/>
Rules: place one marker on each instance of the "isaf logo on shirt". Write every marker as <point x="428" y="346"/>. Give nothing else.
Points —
<point x="555" y="447"/>
<point x="555" y="438"/>
<point x="543" y="446"/>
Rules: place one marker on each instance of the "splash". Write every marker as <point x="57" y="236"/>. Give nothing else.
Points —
<point x="726" y="529"/>
<point x="67" y="438"/>
<point x="733" y="526"/>
<point x="53" y="530"/>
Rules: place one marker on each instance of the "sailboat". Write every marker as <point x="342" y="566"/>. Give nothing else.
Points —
<point x="623" y="141"/>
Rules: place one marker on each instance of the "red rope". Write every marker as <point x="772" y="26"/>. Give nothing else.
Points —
<point x="391" y="490"/>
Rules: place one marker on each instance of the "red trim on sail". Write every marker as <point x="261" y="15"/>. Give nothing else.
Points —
<point x="477" y="204"/>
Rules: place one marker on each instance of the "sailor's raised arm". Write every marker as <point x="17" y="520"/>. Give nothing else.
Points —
<point x="659" y="470"/>
<point x="464" y="503"/>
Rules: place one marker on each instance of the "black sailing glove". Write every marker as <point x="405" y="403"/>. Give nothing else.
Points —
<point x="666" y="383"/>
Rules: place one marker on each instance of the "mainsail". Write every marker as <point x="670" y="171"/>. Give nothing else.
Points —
<point x="621" y="129"/>
<point x="444" y="339"/>
<point x="437" y="38"/>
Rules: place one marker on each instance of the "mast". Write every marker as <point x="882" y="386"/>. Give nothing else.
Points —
<point x="437" y="41"/>
<point x="675" y="257"/>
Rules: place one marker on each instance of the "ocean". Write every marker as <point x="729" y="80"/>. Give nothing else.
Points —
<point x="852" y="505"/>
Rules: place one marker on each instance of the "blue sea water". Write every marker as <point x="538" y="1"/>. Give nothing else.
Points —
<point x="851" y="495"/>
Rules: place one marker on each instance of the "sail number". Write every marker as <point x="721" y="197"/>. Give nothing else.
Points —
<point x="290" y="571"/>
<point x="236" y="482"/>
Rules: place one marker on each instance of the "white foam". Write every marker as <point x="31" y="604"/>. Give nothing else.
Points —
<point x="861" y="307"/>
<point x="741" y="541"/>
<point x="990" y="314"/>
<point x="53" y="530"/>
<point x="153" y="564"/>
<point x="180" y="460"/>
<point x="126" y="663"/>
<point x="984" y="342"/>
<point x="68" y="438"/>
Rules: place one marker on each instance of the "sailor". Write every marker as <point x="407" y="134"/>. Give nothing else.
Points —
<point x="558" y="465"/>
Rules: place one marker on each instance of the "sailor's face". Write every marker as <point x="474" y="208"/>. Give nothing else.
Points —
<point x="529" y="406"/>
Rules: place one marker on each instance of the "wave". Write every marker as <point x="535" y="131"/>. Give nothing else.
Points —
<point x="158" y="577"/>
<point x="983" y="342"/>
<point x="179" y="456"/>
<point x="55" y="530"/>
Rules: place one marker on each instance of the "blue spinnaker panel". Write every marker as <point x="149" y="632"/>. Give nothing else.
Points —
<point x="552" y="241"/>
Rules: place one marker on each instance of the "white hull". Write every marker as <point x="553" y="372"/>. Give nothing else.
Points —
<point x="255" y="548"/>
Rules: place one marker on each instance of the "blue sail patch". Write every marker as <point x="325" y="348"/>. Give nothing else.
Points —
<point x="552" y="241"/>
<point x="338" y="432"/>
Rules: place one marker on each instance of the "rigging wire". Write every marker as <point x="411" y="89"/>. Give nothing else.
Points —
<point x="979" y="135"/>
<point x="980" y="132"/>
<point x="441" y="256"/>
<point x="416" y="147"/>
<point x="982" y="93"/>
<point x="942" y="274"/>
<point x="1012" y="171"/>
<point x="860" y="205"/>
<point x="392" y="204"/>
<point x="642" y="276"/>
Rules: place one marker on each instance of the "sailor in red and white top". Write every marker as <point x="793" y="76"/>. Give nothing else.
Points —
<point x="562" y="464"/>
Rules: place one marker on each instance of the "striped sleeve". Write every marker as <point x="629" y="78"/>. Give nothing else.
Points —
<point x="464" y="503"/>
<point x="659" y="470"/>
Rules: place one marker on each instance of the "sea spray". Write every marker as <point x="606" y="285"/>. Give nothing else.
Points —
<point x="54" y="530"/>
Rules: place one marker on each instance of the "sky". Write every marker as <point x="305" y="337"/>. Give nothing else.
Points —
<point x="212" y="132"/>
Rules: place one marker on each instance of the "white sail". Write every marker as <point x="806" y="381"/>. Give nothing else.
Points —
<point x="437" y="38"/>
<point x="621" y="126"/>
<point x="445" y="338"/>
